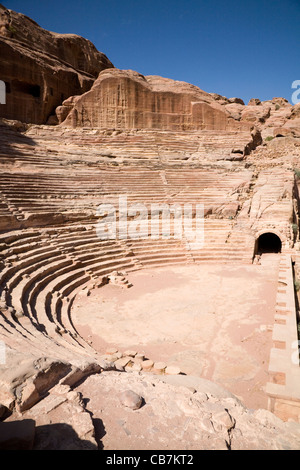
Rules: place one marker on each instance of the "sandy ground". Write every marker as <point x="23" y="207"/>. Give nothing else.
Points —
<point x="212" y="321"/>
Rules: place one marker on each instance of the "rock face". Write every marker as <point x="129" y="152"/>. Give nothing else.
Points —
<point x="125" y="99"/>
<point x="41" y="68"/>
<point x="52" y="78"/>
<point x="136" y="410"/>
<point x="179" y="412"/>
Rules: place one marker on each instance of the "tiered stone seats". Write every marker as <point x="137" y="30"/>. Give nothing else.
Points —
<point x="138" y="147"/>
<point x="31" y="263"/>
<point x="49" y="247"/>
<point x="8" y="216"/>
<point x="60" y="198"/>
<point x="44" y="269"/>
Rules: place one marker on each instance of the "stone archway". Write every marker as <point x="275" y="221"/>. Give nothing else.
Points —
<point x="268" y="242"/>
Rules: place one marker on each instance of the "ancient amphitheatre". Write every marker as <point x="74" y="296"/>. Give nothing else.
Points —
<point x="206" y="336"/>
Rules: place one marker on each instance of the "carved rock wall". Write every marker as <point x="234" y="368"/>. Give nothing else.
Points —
<point x="41" y="68"/>
<point x="124" y="99"/>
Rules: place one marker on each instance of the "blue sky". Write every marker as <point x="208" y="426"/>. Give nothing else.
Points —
<point x="235" y="48"/>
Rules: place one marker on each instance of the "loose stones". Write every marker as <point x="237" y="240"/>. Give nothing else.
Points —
<point x="130" y="399"/>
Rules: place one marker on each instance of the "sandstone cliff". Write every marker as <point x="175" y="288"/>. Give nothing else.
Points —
<point x="125" y="99"/>
<point x="54" y="78"/>
<point x="42" y="68"/>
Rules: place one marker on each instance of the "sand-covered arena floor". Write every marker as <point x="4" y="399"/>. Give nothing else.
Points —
<point x="211" y="321"/>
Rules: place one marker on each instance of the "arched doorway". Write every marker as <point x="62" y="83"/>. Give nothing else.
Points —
<point x="268" y="243"/>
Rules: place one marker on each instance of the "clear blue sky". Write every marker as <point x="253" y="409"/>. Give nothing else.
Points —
<point x="246" y="49"/>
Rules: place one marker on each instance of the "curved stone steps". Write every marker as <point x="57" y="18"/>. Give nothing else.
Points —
<point x="43" y="287"/>
<point x="77" y="242"/>
<point x="11" y="326"/>
<point x="17" y="340"/>
<point x="146" y="184"/>
<point x="25" y="250"/>
<point x="61" y="260"/>
<point x="28" y="338"/>
<point x="45" y="300"/>
<point x="29" y="286"/>
<point x="149" y="255"/>
<point x="103" y="268"/>
<point x="61" y="307"/>
<point x="17" y="237"/>
<point x="97" y="258"/>
<point x="12" y="274"/>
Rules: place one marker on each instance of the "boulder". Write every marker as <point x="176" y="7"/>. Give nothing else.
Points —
<point x="295" y="111"/>
<point x="236" y="100"/>
<point x="254" y="102"/>
<point x="131" y="399"/>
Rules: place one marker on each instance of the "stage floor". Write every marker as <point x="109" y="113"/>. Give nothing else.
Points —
<point x="212" y="321"/>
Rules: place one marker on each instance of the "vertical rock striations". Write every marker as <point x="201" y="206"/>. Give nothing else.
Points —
<point x="125" y="99"/>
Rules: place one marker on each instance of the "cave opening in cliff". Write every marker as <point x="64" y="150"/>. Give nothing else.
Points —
<point x="27" y="88"/>
<point x="7" y="85"/>
<point x="268" y="243"/>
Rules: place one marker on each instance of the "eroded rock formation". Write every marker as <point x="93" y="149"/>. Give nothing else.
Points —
<point x="65" y="406"/>
<point x="125" y="99"/>
<point x="41" y="68"/>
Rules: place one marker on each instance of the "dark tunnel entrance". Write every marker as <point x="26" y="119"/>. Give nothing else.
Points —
<point x="268" y="243"/>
